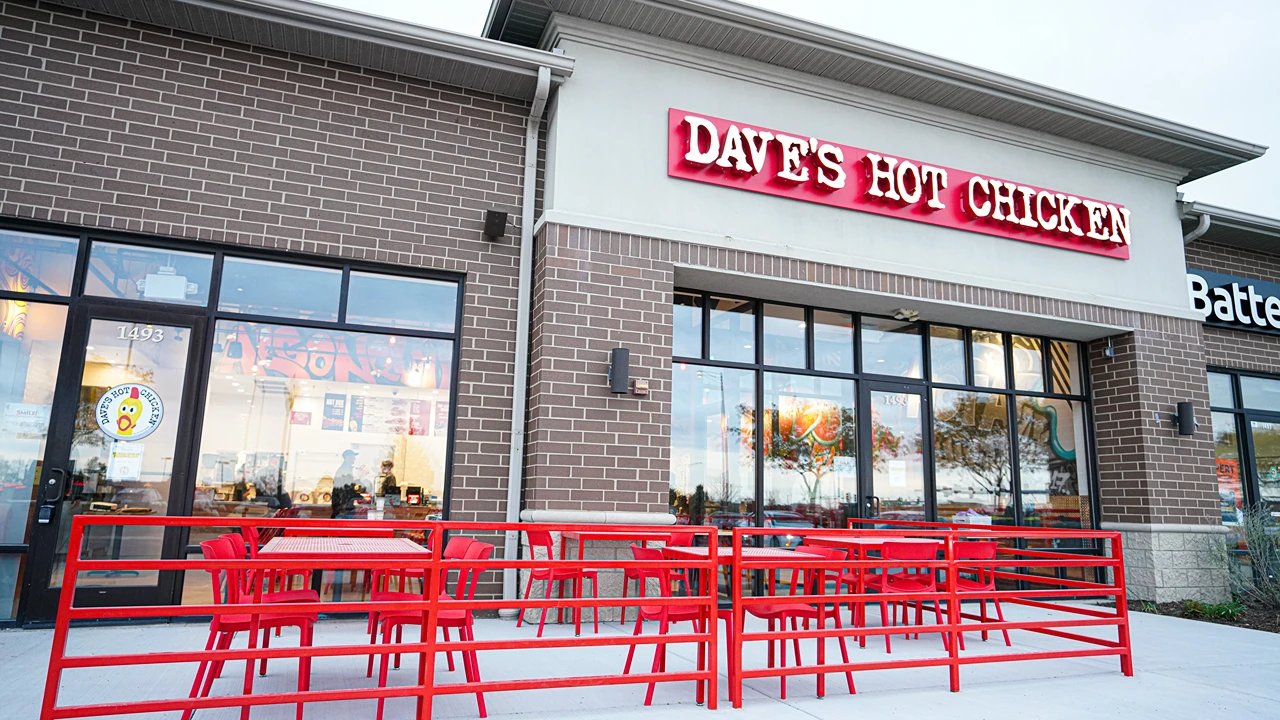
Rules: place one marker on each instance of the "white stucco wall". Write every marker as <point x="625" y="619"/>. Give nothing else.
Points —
<point x="609" y="141"/>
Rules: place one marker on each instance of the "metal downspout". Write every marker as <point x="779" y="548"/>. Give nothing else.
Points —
<point x="1201" y="228"/>
<point x="520" y="390"/>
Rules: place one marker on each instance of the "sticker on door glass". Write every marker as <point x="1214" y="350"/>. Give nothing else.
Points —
<point x="129" y="412"/>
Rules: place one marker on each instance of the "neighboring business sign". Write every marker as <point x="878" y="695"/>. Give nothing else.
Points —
<point x="711" y="150"/>
<point x="1235" y="302"/>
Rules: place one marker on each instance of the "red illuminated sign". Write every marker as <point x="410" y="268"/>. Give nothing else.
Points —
<point x="730" y="154"/>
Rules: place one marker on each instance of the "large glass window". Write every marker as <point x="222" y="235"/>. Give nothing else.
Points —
<point x="713" y="446"/>
<point x="131" y="272"/>
<point x="1221" y="393"/>
<point x="996" y="432"/>
<point x="972" y="463"/>
<point x="287" y="290"/>
<point x="810" y="451"/>
<point x="401" y="303"/>
<point x="687" y="325"/>
<point x="1257" y="393"/>
<point x="325" y="421"/>
<point x="784" y="336"/>
<point x="891" y="347"/>
<point x="1226" y="455"/>
<point x="733" y="330"/>
<point x="1052" y="446"/>
<point x="30" y="349"/>
<point x="40" y="264"/>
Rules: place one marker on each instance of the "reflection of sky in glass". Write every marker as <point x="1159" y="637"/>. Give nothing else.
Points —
<point x="891" y="347"/>
<point x="733" y="330"/>
<point x="138" y="273"/>
<point x="400" y="302"/>
<point x="784" y="336"/>
<point x="972" y="470"/>
<point x="988" y="359"/>
<point x="946" y="354"/>
<point x="1028" y="364"/>
<point x="832" y="341"/>
<point x="687" y="321"/>
<point x="712" y="420"/>
<point x="257" y="287"/>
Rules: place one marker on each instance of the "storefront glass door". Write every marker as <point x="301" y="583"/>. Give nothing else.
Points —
<point x="119" y="447"/>
<point x="895" y="467"/>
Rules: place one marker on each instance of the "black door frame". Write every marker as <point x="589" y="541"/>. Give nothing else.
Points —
<point x="40" y="602"/>
<point x="868" y="502"/>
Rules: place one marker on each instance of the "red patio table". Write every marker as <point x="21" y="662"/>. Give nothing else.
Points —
<point x="585" y="536"/>
<point x="859" y="546"/>
<point x="354" y="549"/>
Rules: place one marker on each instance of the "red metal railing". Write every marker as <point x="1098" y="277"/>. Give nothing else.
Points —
<point x="434" y="569"/>
<point x="1012" y="566"/>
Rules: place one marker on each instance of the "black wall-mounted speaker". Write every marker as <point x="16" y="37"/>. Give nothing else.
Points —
<point x="619" y="370"/>
<point x="495" y="224"/>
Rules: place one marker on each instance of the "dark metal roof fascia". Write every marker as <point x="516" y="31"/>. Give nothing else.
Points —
<point x="1228" y="151"/>
<point x="481" y="53"/>
<point x="1235" y="227"/>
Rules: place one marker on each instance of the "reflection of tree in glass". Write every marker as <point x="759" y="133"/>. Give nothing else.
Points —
<point x="971" y="434"/>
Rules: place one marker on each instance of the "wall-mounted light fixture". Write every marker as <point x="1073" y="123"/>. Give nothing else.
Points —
<point x="1183" y="417"/>
<point x="906" y="314"/>
<point x="1109" y="350"/>
<point x="619" y="370"/>
<point x="495" y="224"/>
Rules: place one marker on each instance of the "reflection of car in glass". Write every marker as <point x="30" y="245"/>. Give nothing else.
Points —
<point x="784" y="519"/>
<point x="728" y="521"/>
<point x="139" y="497"/>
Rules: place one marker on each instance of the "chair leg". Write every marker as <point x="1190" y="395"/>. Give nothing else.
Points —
<point x="466" y="633"/>
<point x="528" y="588"/>
<point x="1000" y="617"/>
<point x="937" y="616"/>
<point x="448" y="653"/>
<point x="659" y="662"/>
<point x="795" y="642"/>
<point x="782" y="645"/>
<point x="373" y="642"/>
<point x="631" y="652"/>
<point x="844" y="651"/>
<point x="266" y="643"/>
<point x="543" y="621"/>
<point x="382" y="666"/>
<point x="304" y="663"/>
<point x="200" y="671"/>
<point x="595" y="609"/>
<point x="883" y="612"/>
<point x="983" y="605"/>
<point x="400" y="639"/>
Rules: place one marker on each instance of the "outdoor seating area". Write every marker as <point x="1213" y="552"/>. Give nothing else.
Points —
<point x="708" y="616"/>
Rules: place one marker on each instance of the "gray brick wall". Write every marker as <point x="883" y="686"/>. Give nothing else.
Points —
<point x="106" y="123"/>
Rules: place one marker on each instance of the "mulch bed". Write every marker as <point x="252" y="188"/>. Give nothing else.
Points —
<point x="1254" y="617"/>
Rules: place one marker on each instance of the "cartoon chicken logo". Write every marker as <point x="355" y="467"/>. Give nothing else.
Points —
<point x="127" y="414"/>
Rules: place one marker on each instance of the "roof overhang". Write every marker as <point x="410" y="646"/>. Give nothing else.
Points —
<point x="1232" y="227"/>
<point x="783" y="41"/>
<point x="357" y="39"/>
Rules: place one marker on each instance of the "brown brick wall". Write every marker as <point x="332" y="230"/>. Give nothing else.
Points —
<point x="1147" y="472"/>
<point x="112" y="124"/>
<point x="1234" y="348"/>
<point x="589" y="449"/>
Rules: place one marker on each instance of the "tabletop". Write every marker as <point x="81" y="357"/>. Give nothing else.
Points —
<point x="724" y="552"/>
<point x="356" y="548"/>
<point x="862" y="541"/>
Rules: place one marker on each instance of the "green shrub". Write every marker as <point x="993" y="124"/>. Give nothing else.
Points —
<point x="1230" y="611"/>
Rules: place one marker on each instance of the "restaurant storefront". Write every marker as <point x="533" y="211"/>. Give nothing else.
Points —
<point x="153" y="378"/>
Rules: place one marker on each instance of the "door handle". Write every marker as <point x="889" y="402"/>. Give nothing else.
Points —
<point x="873" y="505"/>
<point x="53" y="485"/>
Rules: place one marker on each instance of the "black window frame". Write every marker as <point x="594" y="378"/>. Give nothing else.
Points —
<point x="925" y="383"/>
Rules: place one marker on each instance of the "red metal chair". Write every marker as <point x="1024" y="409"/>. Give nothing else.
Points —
<point x="642" y="575"/>
<point x="542" y="539"/>
<point x="223" y="628"/>
<point x="278" y="580"/>
<point x="985" y="582"/>
<point x="272" y="578"/>
<point x="455" y="549"/>
<point x="910" y="579"/>
<point x="666" y="615"/>
<point x="461" y="619"/>
<point x="804" y="581"/>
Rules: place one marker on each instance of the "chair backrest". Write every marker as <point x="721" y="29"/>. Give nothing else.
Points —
<point x="825" y="553"/>
<point x="222" y="549"/>
<point x="681" y="538"/>
<point x="975" y="550"/>
<point x="252" y="538"/>
<point x="539" y="539"/>
<point x="909" y="551"/>
<point x="467" y="588"/>
<point x="456" y="548"/>
<point x="662" y="573"/>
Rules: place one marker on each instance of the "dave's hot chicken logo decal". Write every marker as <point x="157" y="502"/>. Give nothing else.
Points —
<point x="129" y="412"/>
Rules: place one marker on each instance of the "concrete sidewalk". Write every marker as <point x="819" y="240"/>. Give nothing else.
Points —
<point x="1184" y="669"/>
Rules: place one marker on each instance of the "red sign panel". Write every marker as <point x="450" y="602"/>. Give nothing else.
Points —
<point x="730" y="154"/>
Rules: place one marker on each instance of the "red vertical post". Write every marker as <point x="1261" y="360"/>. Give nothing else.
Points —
<point x="63" y="623"/>
<point x="1122" y="605"/>
<point x="255" y="621"/>
<point x="953" y="610"/>
<point x="431" y="595"/>
<point x="712" y="625"/>
<point x="735" y="665"/>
